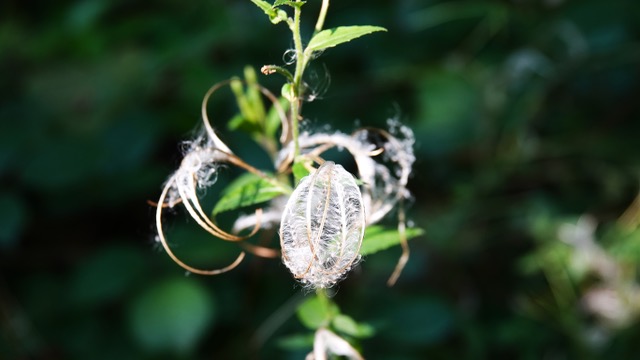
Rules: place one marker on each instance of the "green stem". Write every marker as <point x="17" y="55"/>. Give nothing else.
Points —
<point x="322" y="16"/>
<point x="297" y="78"/>
<point x="302" y="58"/>
<point x="326" y="303"/>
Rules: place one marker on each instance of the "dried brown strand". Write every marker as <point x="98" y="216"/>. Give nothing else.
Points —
<point x="173" y="257"/>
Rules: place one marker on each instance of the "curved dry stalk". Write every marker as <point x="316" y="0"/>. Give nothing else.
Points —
<point x="402" y="261"/>
<point x="261" y="251"/>
<point x="284" y="121"/>
<point x="194" y="209"/>
<point x="205" y="117"/>
<point x="285" y="136"/>
<point x="173" y="257"/>
<point x="165" y="205"/>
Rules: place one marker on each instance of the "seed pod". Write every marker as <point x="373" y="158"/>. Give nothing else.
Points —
<point x="322" y="226"/>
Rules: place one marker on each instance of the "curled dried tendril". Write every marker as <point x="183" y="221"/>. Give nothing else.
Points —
<point x="197" y="171"/>
<point x="322" y="226"/>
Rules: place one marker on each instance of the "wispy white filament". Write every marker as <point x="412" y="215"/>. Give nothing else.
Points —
<point x="322" y="226"/>
<point x="383" y="170"/>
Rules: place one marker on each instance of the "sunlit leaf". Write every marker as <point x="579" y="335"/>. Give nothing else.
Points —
<point x="246" y="190"/>
<point x="377" y="238"/>
<point x="342" y="34"/>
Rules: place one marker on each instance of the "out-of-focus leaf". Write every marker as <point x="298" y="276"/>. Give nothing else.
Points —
<point x="253" y="94"/>
<point x="448" y="126"/>
<point x="248" y="189"/>
<point x="420" y="321"/>
<point x="449" y="11"/>
<point x="172" y="315"/>
<point x="107" y="276"/>
<point x="316" y="311"/>
<point x="296" y="342"/>
<point x="377" y="238"/>
<point x="273" y="120"/>
<point x="13" y="217"/>
<point x="345" y="324"/>
<point x="339" y="35"/>
<point x="299" y="171"/>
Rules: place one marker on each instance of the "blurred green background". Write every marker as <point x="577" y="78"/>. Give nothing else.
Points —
<point x="526" y="115"/>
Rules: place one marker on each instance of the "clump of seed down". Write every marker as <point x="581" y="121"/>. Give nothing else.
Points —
<point x="322" y="227"/>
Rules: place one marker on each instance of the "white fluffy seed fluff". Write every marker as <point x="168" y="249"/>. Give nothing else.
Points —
<point x="322" y="226"/>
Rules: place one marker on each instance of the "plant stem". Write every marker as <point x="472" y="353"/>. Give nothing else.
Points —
<point x="297" y="86"/>
<point x="297" y="78"/>
<point x="322" y="16"/>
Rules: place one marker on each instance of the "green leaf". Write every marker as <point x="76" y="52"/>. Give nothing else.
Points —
<point x="348" y="326"/>
<point x="266" y="7"/>
<point x="275" y="15"/>
<point x="248" y="189"/>
<point x="118" y="269"/>
<point x="377" y="238"/>
<point x="317" y="311"/>
<point x="13" y="218"/>
<point x="296" y="342"/>
<point x="342" y="34"/>
<point x="172" y="315"/>
<point x="273" y="121"/>
<point x="253" y="94"/>
<point x="300" y="169"/>
<point x="289" y="2"/>
<point x="287" y="92"/>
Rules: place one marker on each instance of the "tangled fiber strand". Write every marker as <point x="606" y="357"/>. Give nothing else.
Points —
<point x="322" y="227"/>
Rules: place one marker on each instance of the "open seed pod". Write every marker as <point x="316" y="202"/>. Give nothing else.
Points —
<point x="322" y="226"/>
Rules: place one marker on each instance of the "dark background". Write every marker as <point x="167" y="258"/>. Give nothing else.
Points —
<point x="526" y="116"/>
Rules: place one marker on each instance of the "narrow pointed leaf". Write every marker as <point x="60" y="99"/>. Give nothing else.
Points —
<point x="289" y="2"/>
<point x="274" y="14"/>
<point x="377" y="238"/>
<point x="248" y="189"/>
<point x="266" y="7"/>
<point x="342" y="34"/>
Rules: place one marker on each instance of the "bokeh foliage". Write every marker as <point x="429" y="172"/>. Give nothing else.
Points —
<point x="526" y="117"/>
